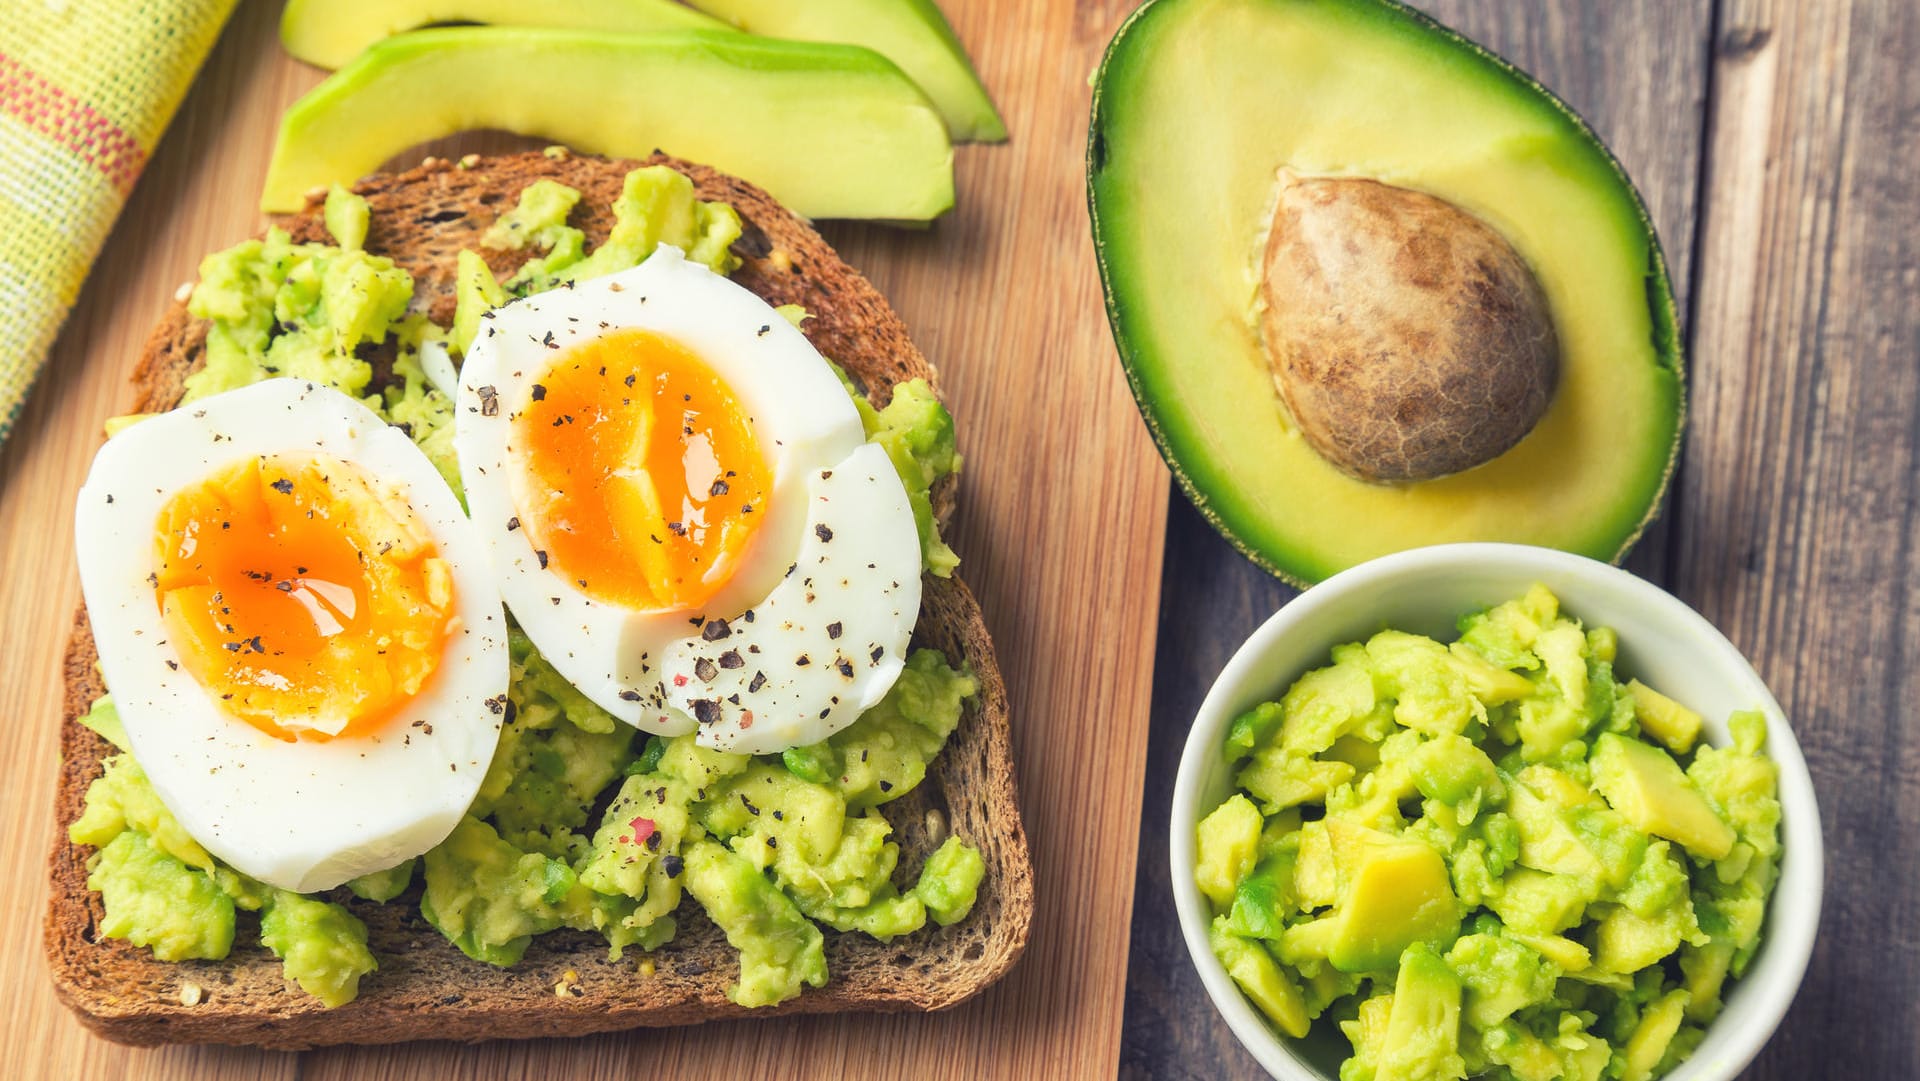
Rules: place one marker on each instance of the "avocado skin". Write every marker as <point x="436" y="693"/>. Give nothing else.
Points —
<point x="1666" y="339"/>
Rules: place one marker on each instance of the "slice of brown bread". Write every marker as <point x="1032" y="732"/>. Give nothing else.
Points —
<point x="425" y="988"/>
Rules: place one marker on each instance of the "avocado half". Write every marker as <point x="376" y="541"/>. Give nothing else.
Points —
<point x="1197" y="107"/>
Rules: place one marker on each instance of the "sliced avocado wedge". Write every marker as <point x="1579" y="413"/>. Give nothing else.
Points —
<point x="329" y="33"/>
<point x="1198" y="108"/>
<point x="1394" y="893"/>
<point x="1648" y="788"/>
<point x="832" y="131"/>
<point x="911" y="33"/>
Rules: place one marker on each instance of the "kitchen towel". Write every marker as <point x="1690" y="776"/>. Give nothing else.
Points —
<point x="86" y="88"/>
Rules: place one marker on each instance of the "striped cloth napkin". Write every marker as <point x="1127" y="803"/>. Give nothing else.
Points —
<point x="86" y="88"/>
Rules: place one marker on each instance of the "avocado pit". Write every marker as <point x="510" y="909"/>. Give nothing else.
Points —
<point x="1407" y="338"/>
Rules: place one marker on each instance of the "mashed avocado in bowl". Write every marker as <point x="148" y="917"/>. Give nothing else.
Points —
<point x="1494" y="811"/>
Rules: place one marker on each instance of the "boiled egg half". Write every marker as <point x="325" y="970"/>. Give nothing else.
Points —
<point x="298" y="627"/>
<point x="683" y="510"/>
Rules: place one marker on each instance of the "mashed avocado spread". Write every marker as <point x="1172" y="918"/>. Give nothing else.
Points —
<point x="1490" y="858"/>
<point x="581" y="822"/>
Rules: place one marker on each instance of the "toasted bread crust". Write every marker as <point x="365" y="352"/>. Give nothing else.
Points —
<point x="425" y="988"/>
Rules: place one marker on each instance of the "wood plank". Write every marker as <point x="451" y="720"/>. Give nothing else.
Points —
<point x="1799" y="501"/>
<point x="1636" y="72"/>
<point x="1061" y="519"/>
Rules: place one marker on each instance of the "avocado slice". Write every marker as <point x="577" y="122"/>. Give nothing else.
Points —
<point x="1423" y="1031"/>
<point x="1652" y="1036"/>
<point x="1664" y="719"/>
<point x="1625" y="943"/>
<point x="1198" y="107"/>
<point x="1228" y="842"/>
<point x="1647" y="787"/>
<point x="1253" y="968"/>
<point x="911" y="33"/>
<point x="1395" y="893"/>
<point x="832" y="131"/>
<point x="329" y="33"/>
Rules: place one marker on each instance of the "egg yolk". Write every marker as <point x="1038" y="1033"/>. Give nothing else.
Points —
<point x="642" y="479"/>
<point x="303" y="594"/>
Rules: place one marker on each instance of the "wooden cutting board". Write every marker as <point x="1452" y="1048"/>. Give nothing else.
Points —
<point x="1061" y="521"/>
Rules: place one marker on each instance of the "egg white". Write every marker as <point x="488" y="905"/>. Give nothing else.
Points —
<point x="305" y="815"/>
<point x="644" y="666"/>
<point x="826" y="643"/>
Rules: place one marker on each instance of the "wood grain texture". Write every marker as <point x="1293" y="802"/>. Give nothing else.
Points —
<point x="1799" y="499"/>
<point x="1060" y="523"/>
<point x="1636" y="71"/>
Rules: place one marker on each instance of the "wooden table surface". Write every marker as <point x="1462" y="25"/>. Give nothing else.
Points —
<point x="1778" y="145"/>
<point x="1063" y="500"/>
<point x="1775" y="141"/>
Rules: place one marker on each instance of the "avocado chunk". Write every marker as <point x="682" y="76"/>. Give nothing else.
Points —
<point x="152" y="899"/>
<point x="1666" y="720"/>
<point x="1255" y="971"/>
<point x="1452" y="770"/>
<point x="1199" y="103"/>
<point x="832" y="131"/>
<point x="1265" y="898"/>
<point x="1538" y="903"/>
<point x="1227" y="844"/>
<point x="1651" y="1037"/>
<point x="1500" y="977"/>
<point x="321" y="946"/>
<point x="1396" y="893"/>
<point x="1282" y="779"/>
<point x="911" y="33"/>
<point x="1423" y="1030"/>
<point x="1648" y="789"/>
<point x="1625" y="942"/>
<point x="780" y="950"/>
<point x="1540" y="804"/>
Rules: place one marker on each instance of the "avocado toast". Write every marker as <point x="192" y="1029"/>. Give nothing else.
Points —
<point x="426" y="988"/>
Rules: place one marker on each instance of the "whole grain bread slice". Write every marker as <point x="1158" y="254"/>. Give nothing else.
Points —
<point x="425" y="988"/>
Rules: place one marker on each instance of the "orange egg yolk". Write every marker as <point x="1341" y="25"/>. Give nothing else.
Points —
<point x="642" y="481"/>
<point x="304" y="595"/>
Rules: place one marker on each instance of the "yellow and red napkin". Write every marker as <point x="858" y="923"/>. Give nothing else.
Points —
<point x="86" y="88"/>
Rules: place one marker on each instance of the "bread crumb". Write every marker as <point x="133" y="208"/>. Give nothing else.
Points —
<point x="185" y="291"/>
<point x="429" y="162"/>
<point x="936" y="827"/>
<point x="191" y="993"/>
<point x="469" y="161"/>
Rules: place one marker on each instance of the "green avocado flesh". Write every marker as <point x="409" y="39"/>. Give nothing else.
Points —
<point x="1200" y="102"/>
<point x="831" y="131"/>
<point x="581" y="822"/>
<point x="911" y="33"/>
<point x="1498" y="871"/>
<point x="329" y="33"/>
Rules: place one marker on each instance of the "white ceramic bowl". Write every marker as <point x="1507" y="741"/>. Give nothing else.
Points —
<point x="1662" y="641"/>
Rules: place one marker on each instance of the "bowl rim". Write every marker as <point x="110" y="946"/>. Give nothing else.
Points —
<point x="1789" y="941"/>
